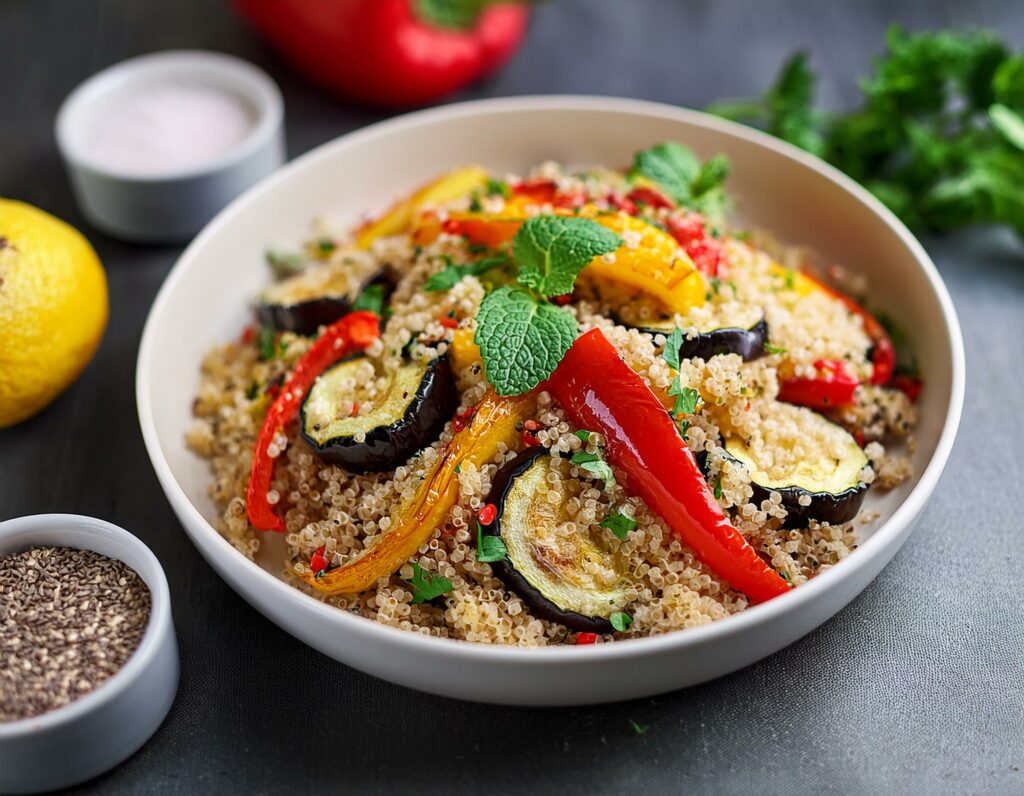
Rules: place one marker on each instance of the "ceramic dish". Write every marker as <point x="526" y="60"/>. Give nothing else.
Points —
<point x="105" y="726"/>
<point x="778" y="187"/>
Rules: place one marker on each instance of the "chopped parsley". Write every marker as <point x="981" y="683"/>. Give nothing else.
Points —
<point x="639" y="729"/>
<point x="326" y="245"/>
<point x="620" y="620"/>
<point x="454" y="273"/>
<point x="498" y="188"/>
<point x="619" y="524"/>
<point x="268" y="343"/>
<point x="489" y="548"/>
<point x="427" y="585"/>
<point x="595" y="464"/>
<point x="718" y="487"/>
<point x="371" y="299"/>
<point x="774" y="349"/>
<point x="687" y="399"/>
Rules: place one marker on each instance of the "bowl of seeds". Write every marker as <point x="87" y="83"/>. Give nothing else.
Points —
<point x="88" y="657"/>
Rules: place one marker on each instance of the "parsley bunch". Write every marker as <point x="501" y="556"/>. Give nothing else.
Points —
<point x="939" y="138"/>
<point x="522" y="336"/>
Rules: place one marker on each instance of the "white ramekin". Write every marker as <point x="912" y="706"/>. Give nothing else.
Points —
<point x="96" y="732"/>
<point x="169" y="208"/>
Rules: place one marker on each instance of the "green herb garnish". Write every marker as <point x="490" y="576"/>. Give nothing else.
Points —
<point x="595" y="464"/>
<point x="268" y="343"/>
<point x="718" y="487"/>
<point x="639" y="729"/>
<point x="583" y="435"/>
<point x="371" y="299"/>
<point x="620" y="620"/>
<point x="498" y="188"/>
<point x="774" y="349"/>
<point x="679" y="173"/>
<point x="489" y="548"/>
<point x="454" y="273"/>
<point x="523" y="337"/>
<point x="619" y="524"/>
<point x="427" y="585"/>
<point x="326" y="245"/>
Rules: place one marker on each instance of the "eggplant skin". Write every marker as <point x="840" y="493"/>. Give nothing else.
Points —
<point x="387" y="446"/>
<point x="305" y="317"/>
<point x="831" y="507"/>
<point x="539" y="605"/>
<point x="748" y="343"/>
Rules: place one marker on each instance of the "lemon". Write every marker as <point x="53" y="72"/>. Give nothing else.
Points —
<point x="53" y="308"/>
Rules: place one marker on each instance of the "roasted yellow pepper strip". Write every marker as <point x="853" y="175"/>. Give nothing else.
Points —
<point x="398" y="218"/>
<point x="655" y="265"/>
<point x="493" y="425"/>
<point x="463" y="351"/>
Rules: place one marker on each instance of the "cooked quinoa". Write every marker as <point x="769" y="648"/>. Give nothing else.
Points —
<point x="325" y="507"/>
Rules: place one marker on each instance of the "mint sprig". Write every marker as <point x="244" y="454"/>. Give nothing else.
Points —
<point x="522" y="337"/>
<point x="678" y="172"/>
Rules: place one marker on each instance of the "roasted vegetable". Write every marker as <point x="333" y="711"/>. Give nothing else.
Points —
<point x="577" y="580"/>
<point x="352" y="333"/>
<point x="822" y="483"/>
<point x="599" y="391"/>
<point x="834" y="385"/>
<point x="747" y="341"/>
<point x="316" y="297"/>
<point x="491" y="429"/>
<point x="420" y="399"/>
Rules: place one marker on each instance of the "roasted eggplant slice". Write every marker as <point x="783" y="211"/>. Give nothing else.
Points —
<point x="420" y="398"/>
<point x="745" y="336"/>
<point x="316" y="297"/>
<point x="574" y="579"/>
<point x="812" y="463"/>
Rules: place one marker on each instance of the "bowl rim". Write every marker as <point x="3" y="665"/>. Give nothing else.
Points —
<point x="205" y="536"/>
<point x="251" y="82"/>
<point x="157" y="626"/>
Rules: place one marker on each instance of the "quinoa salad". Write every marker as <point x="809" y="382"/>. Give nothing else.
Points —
<point x="555" y="408"/>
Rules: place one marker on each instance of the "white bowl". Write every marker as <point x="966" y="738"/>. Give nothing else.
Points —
<point x="169" y="207"/>
<point x="96" y="732"/>
<point x="204" y="301"/>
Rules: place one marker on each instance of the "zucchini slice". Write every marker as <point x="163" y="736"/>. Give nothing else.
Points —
<point x="316" y="297"/>
<point x="812" y="463"/>
<point x="575" y="579"/>
<point x="420" y="398"/>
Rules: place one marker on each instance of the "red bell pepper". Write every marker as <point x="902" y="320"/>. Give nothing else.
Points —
<point x="390" y="52"/>
<point x="883" y="354"/>
<point x="599" y="391"/>
<point x="834" y="386"/>
<point x="704" y="250"/>
<point x="908" y="385"/>
<point x="352" y="333"/>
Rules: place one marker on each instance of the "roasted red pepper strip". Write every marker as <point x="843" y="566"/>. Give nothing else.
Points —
<point x="352" y="333"/>
<point x="387" y="52"/>
<point x="883" y="354"/>
<point x="834" y="386"/>
<point x="599" y="391"/>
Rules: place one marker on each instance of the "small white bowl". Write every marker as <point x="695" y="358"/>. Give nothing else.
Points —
<point x="96" y="732"/>
<point x="204" y="301"/>
<point x="169" y="207"/>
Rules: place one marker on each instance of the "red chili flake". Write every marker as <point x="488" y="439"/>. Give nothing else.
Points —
<point x="586" y="638"/>
<point x="859" y="436"/>
<point x="355" y="410"/>
<point x="318" y="563"/>
<point x="529" y="440"/>
<point x="562" y="300"/>
<point x="448" y="322"/>
<point x="248" y="335"/>
<point x="532" y="425"/>
<point x="650" y="197"/>
<point x="463" y="418"/>
<point x="487" y="514"/>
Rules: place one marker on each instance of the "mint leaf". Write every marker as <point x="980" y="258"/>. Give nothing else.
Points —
<point x="521" y="339"/>
<point x="489" y="548"/>
<point x="711" y="175"/>
<point x="371" y="299"/>
<point x="552" y="250"/>
<point x="619" y="524"/>
<point x="1008" y="122"/>
<point x="620" y="620"/>
<point x="672" y="166"/>
<point x="427" y="585"/>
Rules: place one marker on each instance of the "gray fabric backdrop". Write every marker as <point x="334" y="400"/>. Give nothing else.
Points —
<point x="916" y="687"/>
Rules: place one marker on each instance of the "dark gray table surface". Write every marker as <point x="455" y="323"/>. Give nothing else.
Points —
<point x="918" y="686"/>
